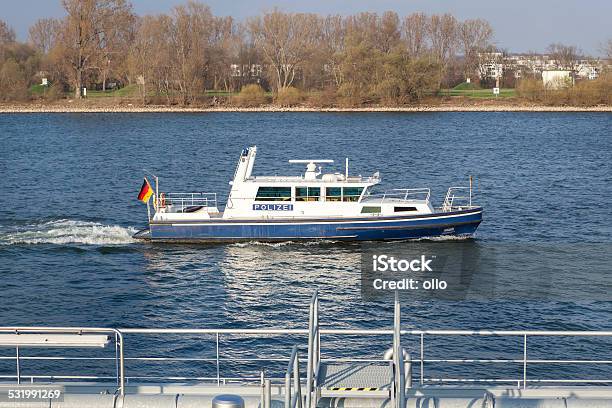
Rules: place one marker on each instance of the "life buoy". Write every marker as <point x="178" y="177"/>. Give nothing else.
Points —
<point x="162" y="200"/>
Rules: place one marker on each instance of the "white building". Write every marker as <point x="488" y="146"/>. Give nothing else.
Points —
<point x="490" y="65"/>
<point x="587" y="70"/>
<point x="247" y="70"/>
<point x="557" y="79"/>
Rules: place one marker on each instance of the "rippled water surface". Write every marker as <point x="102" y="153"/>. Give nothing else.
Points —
<point x="68" y="208"/>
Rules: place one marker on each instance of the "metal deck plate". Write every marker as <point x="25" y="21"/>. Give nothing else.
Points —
<point x="355" y="377"/>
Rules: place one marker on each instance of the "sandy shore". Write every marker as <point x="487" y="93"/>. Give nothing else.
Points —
<point x="85" y="108"/>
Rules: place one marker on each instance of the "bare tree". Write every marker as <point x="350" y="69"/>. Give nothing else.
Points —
<point x="246" y="57"/>
<point x="85" y="31"/>
<point x="286" y="40"/>
<point x="474" y="37"/>
<point x="7" y="34"/>
<point x="190" y="35"/>
<point x="415" y="33"/>
<point x="141" y="57"/>
<point x="224" y="46"/>
<point x="389" y="32"/>
<point x="442" y="30"/>
<point x="565" y="56"/>
<point x="607" y="49"/>
<point x="333" y="35"/>
<point x="43" y="34"/>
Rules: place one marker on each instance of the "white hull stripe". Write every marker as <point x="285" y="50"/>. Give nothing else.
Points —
<point x="266" y="222"/>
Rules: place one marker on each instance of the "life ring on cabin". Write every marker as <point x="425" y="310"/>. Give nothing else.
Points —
<point x="162" y="200"/>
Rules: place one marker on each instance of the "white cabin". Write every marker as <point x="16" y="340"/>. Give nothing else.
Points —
<point x="310" y="195"/>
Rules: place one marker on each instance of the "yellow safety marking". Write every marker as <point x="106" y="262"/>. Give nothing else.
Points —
<point x="353" y="389"/>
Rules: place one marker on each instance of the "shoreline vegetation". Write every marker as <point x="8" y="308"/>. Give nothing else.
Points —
<point x="102" y="56"/>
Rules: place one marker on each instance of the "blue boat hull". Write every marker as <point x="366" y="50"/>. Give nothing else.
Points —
<point x="457" y="223"/>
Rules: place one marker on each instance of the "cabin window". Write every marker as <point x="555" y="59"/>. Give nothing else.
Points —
<point x="333" y="194"/>
<point x="402" y="209"/>
<point x="370" y="210"/>
<point x="307" y="193"/>
<point x="273" y="194"/>
<point x="351" y="193"/>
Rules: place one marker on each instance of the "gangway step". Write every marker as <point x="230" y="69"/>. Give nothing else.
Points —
<point x="355" y="379"/>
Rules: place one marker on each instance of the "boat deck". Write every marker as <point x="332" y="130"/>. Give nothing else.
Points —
<point x="330" y="380"/>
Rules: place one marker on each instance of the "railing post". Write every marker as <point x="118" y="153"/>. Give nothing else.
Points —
<point x="407" y="369"/>
<point x="287" y="390"/>
<point x="318" y="353"/>
<point x="121" y="363"/>
<point x="422" y="358"/>
<point x="312" y="349"/>
<point x="398" y="357"/>
<point x="217" y="360"/>
<point x="470" y="191"/>
<point x="525" y="361"/>
<point x="296" y="381"/>
<point x="268" y="393"/>
<point x="262" y="394"/>
<point x="17" y="365"/>
<point x="117" y="358"/>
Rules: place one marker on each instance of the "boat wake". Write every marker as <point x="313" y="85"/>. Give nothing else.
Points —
<point x="443" y="238"/>
<point x="284" y="243"/>
<point x="68" y="232"/>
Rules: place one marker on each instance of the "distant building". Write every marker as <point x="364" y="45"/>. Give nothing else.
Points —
<point x="490" y="65"/>
<point x="246" y="70"/>
<point x="558" y="78"/>
<point x="587" y="70"/>
<point x="494" y="64"/>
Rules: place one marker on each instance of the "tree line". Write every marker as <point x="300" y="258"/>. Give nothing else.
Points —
<point x="177" y="57"/>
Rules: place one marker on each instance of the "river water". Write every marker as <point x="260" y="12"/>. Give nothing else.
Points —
<point x="68" y="208"/>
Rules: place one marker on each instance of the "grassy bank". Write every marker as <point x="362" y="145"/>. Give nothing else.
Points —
<point x="464" y="97"/>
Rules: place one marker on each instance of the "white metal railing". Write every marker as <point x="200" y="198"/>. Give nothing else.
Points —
<point x="313" y="334"/>
<point x="179" y="202"/>
<point x="293" y="399"/>
<point x="399" y="385"/>
<point x="457" y="198"/>
<point x="119" y="347"/>
<point x="342" y="180"/>
<point x="401" y="195"/>
<point x="314" y="353"/>
<point x="216" y="361"/>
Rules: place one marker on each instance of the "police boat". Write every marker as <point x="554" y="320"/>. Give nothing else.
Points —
<point x="312" y="206"/>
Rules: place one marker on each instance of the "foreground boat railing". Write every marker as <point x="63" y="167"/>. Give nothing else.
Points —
<point x="293" y="399"/>
<point x="427" y="340"/>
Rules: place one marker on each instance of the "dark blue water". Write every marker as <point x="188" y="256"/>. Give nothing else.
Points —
<point x="68" y="206"/>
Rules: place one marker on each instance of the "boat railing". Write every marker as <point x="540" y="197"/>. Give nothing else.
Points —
<point x="402" y="194"/>
<point x="293" y="392"/>
<point x="179" y="202"/>
<point x="314" y="352"/>
<point x="457" y="198"/>
<point x="519" y="360"/>
<point x="219" y="358"/>
<point x="342" y="180"/>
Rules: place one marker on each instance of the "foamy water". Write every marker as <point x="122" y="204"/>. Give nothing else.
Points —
<point x="67" y="232"/>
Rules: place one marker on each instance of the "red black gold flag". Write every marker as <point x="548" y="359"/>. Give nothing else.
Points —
<point x="145" y="191"/>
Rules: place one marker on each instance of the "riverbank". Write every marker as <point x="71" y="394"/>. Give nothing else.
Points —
<point x="482" y="106"/>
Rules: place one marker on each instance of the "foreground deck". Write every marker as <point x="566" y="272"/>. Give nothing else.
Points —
<point x="403" y="376"/>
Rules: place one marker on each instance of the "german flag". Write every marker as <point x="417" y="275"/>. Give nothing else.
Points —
<point x="145" y="191"/>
